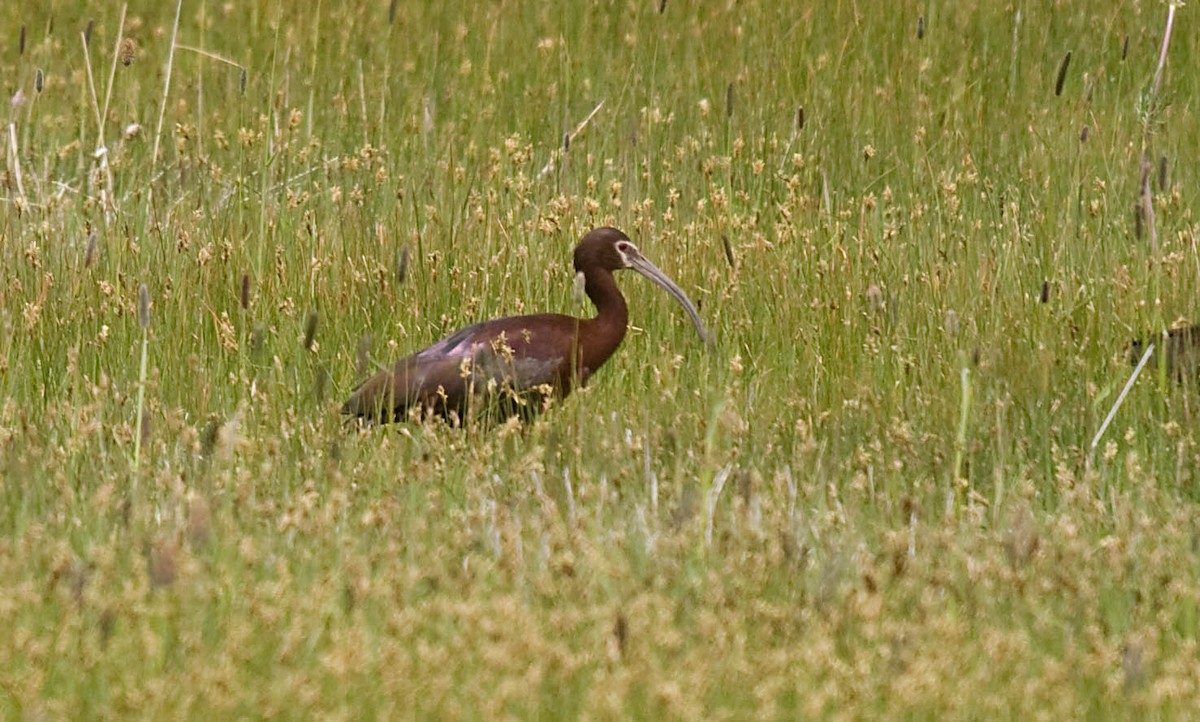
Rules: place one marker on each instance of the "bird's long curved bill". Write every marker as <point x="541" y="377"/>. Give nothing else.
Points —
<point x="651" y="271"/>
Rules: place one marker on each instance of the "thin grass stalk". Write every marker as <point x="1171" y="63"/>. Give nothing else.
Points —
<point x="1147" y="210"/>
<point x="112" y="71"/>
<point x="101" y="152"/>
<point x="16" y="161"/>
<point x="1014" y="66"/>
<point x="144" y="322"/>
<point x="964" y="415"/>
<point x="567" y="139"/>
<point x="714" y="495"/>
<point x="1120" y="400"/>
<point x="362" y="97"/>
<point x="162" y="111"/>
<point x="212" y="56"/>
<point x="1162" y="54"/>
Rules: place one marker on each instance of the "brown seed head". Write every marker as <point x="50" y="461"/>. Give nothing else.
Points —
<point x="401" y="266"/>
<point x="143" y="307"/>
<point x="1062" y="73"/>
<point x="89" y="256"/>
<point x="244" y="298"/>
<point x="108" y="620"/>
<point x="621" y="632"/>
<point x="310" y="330"/>
<point x="128" y="52"/>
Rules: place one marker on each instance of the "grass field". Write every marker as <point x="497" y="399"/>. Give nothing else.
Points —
<point x="921" y="254"/>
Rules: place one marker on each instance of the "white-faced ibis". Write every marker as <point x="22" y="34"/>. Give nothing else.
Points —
<point x="1182" y="348"/>
<point x="519" y="361"/>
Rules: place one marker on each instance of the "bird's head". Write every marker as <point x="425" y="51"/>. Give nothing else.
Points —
<point x="608" y="249"/>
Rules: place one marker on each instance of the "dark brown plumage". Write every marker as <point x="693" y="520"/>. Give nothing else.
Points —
<point x="512" y="364"/>
<point x="1182" y="347"/>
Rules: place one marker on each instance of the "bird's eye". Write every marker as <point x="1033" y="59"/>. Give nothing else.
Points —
<point x="622" y="247"/>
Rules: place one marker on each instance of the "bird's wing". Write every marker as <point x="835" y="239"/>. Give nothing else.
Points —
<point x="511" y="354"/>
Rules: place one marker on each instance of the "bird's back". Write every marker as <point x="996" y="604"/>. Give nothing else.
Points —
<point x="506" y="358"/>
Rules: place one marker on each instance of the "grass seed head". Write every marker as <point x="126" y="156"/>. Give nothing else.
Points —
<point x="143" y="307"/>
<point x="920" y="27"/>
<point x="80" y="573"/>
<point x="621" y="632"/>
<point x="1131" y="665"/>
<point x="209" y="437"/>
<point x="875" y="298"/>
<point x="310" y="330"/>
<point x="401" y="266"/>
<point x="89" y="255"/>
<point x="21" y="42"/>
<point x="1062" y="73"/>
<point x="87" y="33"/>
<point x="1022" y="539"/>
<point x="39" y="80"/>
<point x="228" y="437"/>
<point x="244" y="297"/>
<point x="950" y="322"/>
<point x="728" y="250"/>
<point x="128" y="52"/>
<point x="108" y="620"/>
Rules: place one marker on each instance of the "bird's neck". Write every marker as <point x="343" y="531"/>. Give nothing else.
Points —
<point x="601" y="288"/>
<point x="602" y="335"/>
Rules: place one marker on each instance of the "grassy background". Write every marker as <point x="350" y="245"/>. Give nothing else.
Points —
<point x="807" y="521"/>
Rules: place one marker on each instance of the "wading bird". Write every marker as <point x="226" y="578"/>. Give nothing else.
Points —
<point x="515" y="364"/>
